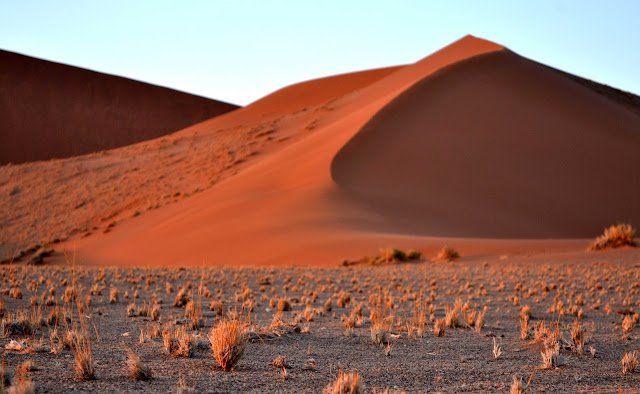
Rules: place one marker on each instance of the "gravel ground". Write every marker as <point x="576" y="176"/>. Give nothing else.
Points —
<point x="317" y="350"/>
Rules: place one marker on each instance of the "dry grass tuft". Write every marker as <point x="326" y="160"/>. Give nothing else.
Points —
<point x="497" y="350"/>
<point x="551" y="357"/>
<point x="448" y="253"/>
<point x="630" y="362"/>
<point x="617" y="236"/>
<point x="177" y="343"/>
<point x="517" y="386"/>
<point x="347" y="383"/>
<point x="181" y="298"/>
<point x="438" y="329"/>
<point x="22" y="383"/>
<point x="627" y="324"/>
<point x="228" y="342"/>
<point x="137" y="369"/>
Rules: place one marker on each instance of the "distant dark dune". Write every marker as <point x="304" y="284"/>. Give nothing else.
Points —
<point x="51" y="110"/>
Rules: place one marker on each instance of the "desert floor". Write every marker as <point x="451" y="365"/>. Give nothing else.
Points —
<point x="598" y="291"/>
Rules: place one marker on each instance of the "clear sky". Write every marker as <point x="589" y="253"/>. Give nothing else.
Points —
<point x="240" y="50"/>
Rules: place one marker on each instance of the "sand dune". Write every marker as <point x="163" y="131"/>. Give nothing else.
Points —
<point x="473" y="141"/>
<point x="50" y="110"/>
<point x="497" y="146"/>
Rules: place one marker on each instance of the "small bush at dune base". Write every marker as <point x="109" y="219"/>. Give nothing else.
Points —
<point x="448" y="253"/>
<point x="617" y="236"/>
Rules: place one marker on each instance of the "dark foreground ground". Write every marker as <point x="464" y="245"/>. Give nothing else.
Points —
<point x="315" y="342"/>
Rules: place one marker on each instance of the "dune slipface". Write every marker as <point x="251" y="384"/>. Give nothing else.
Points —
<point x="50" y="110"/>
<point x="472" y="141"/>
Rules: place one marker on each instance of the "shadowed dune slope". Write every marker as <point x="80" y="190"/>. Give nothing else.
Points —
<point x="497" y="146"/>
<point x="51" y="110"/>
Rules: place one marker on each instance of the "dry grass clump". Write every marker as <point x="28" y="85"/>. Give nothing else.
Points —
<point x="497" y="350"/>
<point x="228" y="342"/>
<point x="448" y="253"/>
<point x="381" y="319"/>
<point x="617" y="236"/>
<point x="177" y="343"/>
<point x="347" y="383"/>
<point x="438" y="328"/>
<point x="627" y="324"/>
<point x="517" y="386"/>
<point x="217" y="307"/>
<point x="80" y="344"/>
<point x="391" y="255"/>
<point x="551" y="357"/>
<point x="578" y="336"/>
<point x="525" y="315"/>
<point x="113" y="296"/>
<point x="137" y="369"/>
<point x="418" y="323"/>
<point x="22" y="383"/>
<point x="182" y="298"/>
<point x="630" y="362"/>
<point x="284" y="305"/>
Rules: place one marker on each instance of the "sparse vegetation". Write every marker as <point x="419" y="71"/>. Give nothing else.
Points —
<point x="630" y="362"/>
<point x="137" y="369"/>
<point x="346" y="383"/>
<point x="617" y="236"/>
<point x="228" y="342"/>
<point x="448" y="253"/>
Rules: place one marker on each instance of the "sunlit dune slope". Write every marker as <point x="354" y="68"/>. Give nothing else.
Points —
<point x="89" y="194"/>
<point x="51" y="110"/>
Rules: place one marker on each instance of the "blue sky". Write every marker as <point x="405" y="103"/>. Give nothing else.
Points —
<point x="240" y="50"/>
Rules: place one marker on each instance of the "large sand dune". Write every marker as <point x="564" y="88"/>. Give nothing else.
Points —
<point x="50" y="110"/>
<point x="473" y="141"/>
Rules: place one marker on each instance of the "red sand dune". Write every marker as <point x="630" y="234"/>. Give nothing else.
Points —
<point x="51" y="110"/>
<point x="472" y="141"/>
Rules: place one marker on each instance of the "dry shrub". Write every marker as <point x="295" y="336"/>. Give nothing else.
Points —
<point x="448" y="253"/>
<point x="284" y="305"/>
<point x="438" y="328"/>
<point x="551" y="357"/>
<point x="155" y="312"/>
<point x="630" y="362"/>
<point x="517" y="387"/>
<point x="217" y="307"/>
<point x="137" y="369"/>
<point x="392" y="255"/>
<point x="343" y="299"/>
<point x="347" y="383"/>
<point x="381" y="318"/>
<point x="479" y="323"/>
<point x="617" y="236"/>
<point x="177" y="343"/>
<point x="80" y="345"/>
<point x="228" y="342"/>
<point x="182" y="298"/>
<point x="627" y="324"/>
<point x="578" y="336"/>
<point x="497" y="350"/>
<point x="452" y="317"/>
<point x="184" y="388"/>
<point x="22" y="383"/>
